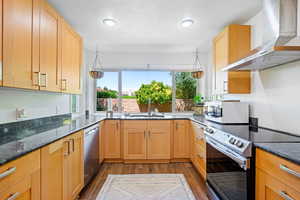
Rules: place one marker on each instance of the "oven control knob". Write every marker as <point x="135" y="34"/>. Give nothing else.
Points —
<point x="232" y="140"/>
<point x="210" y="131"/>
<point x="239" y="144"/>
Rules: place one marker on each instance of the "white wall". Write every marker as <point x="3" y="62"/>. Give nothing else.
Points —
<point x="275" y="92"/>
<point x="35" y="103"/>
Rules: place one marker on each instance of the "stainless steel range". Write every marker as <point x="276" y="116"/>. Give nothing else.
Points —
<point x="230" y="159"/>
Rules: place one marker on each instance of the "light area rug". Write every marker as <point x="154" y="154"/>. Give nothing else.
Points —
<point x="146" y="187"/>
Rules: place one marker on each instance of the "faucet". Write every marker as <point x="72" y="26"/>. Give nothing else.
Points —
<point x="149" y="107"/>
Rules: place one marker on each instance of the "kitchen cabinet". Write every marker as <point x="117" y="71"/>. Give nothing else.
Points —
<point x="62" y="168"/>
<point x="50" y="66"/>
<point x="198" y="150"/>
<point x="159" y="139"/>
<point x="71" y="53"/>
<point x="135" y="139"/>
<point x="181" y="139"/>
<point x="101" y="142"/>
<point x="276" y="177"/>
<point x="48" y="50"/>
<point x="147" y="139"/>
<point x="22" y="181"/>
<point x="232" y="44"/>
<point x="20" y="36"/>
<point x="112" y="139"/>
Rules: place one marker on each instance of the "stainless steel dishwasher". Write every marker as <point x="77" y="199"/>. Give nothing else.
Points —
<point x="91" y="153"/>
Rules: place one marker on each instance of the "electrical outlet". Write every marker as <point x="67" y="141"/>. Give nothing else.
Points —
<point x="253" y="124"/>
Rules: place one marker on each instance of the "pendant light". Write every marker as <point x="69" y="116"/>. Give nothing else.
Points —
<point x="197" y="68"/>
<point x="96" y="71"/>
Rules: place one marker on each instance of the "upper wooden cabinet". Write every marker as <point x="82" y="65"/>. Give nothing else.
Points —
<point x="181" y="138"/>
<point x="40" y="50"/>
<point x="50" y="64"/>
<point x="112" y="139"/>
<point x="232" y="44"/>
<point x="19" y="33"/>
<point x="71" y="47"/>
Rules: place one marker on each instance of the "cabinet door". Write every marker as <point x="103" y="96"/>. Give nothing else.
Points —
<point x="50" y="69"/>
<point x="75" y="171"/>
<point x="52" y="170"/>
<point x="18" y="68"/>
<point x="101" y="142"/>
<point x="26" y="189"/>
<point x="221" y="46"/>
<point x="269" y="188"/>
<point x="71" y="48"/>
<point x="159" y="139"/>
<point x="112" y="139"/>
<point x="181" y="139"/>
<point x="135" y="139"/>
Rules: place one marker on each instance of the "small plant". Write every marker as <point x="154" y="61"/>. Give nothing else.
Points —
<point x="198" y="99"/>
<point x="156" y="91"/>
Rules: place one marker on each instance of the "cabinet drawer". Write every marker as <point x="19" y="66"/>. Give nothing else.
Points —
<point x="269" y="188"/>
<point x="18" y="169"/>
<point x="21" y="190"/>
<point x="281" y="169"/>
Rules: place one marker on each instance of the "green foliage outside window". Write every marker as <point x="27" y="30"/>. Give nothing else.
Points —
<point x="156" y="91"/>
<point x="186" y="85"/>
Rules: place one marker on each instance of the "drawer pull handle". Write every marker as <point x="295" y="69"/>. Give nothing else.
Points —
<point x="288" y="170"/>
<point x="285" y="196"/>
<point x="8" y="172"/>
<point x="14" y="196"/>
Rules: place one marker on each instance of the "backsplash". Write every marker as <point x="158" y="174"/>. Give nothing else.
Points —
<point x="35" y="103"/>
<point x="30" y="127"/>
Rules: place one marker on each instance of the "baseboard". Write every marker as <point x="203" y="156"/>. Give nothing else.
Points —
<point x="148" y="161"/>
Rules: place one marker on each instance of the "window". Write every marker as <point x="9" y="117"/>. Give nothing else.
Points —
<point x="74" y="103"/>
<point x="130" y="91"/>
<point x="140" y="86"/>
<point x="186" y="87"/>
<point x="107" y="91"/>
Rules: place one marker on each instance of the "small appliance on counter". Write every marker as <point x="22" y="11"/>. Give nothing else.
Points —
<point x="227" y="112"/>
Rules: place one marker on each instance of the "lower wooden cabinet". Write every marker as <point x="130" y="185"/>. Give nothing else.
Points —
<point x="147" y="139"/>
<point x="112" y="139"/>
<point x="135" y="139"/>
<point x="276" y="178"/>
<point x="269" y="188"/>
<point x="159" y="139"/>
<point x="101" y="141"/>
<point x="198" y="148"/>
<point x="62" y="168"/>
<point x="181" y="139"/>
<point x="23" y="178"/>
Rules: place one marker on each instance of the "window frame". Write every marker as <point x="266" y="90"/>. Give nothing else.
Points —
<point x="120" y="75"/>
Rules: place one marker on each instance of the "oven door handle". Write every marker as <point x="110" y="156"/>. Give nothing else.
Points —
<point x="242" y="161"/>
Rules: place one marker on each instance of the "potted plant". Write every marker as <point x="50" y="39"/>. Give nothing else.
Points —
<point x="199" y="104"/>
<point x="160" y="95"/>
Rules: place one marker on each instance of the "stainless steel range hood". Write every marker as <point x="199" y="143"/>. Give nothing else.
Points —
<point x="279" y="27"/>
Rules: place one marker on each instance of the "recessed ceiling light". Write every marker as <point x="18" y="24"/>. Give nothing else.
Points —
<point x="109" y="22"/>
<point x="187" y="23"/>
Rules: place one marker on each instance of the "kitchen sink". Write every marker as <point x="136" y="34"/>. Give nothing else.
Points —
<point x="144" y="115"/>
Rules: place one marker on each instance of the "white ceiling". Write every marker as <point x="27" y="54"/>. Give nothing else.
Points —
<point x="153" y="25"/>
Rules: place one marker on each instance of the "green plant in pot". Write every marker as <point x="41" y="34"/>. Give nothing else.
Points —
<point x="159" y="93"/>
<point x="198" y="100"/>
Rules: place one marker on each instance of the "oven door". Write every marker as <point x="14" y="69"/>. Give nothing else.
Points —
<point x="228" y="173"/>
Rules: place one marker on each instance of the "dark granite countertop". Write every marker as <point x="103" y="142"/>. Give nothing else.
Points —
<point x="289" y="151"/>
<point x="20" y="138"/>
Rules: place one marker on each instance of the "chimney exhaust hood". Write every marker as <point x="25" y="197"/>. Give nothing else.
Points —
<point x="279" y="27"/>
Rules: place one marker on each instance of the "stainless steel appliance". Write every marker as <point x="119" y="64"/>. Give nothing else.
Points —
<point x="230" y="159"/>
<point x="227" y="112"/>
<point x="91" y="153"/>
<point x="279" y="27"/>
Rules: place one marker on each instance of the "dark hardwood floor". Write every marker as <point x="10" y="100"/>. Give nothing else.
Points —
<point x="195" y="181"/>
